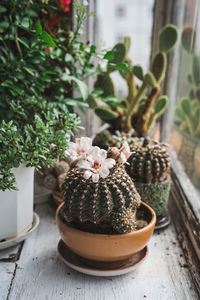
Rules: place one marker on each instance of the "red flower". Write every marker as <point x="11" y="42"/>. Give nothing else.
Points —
<point x="65" y="4"/>
<point x="54" y="20"/>
<point x="47" y="49"/>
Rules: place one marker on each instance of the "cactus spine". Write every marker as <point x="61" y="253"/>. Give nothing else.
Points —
<point x="139" y="113"/>
<point x="150" y="161"/>
<point x="99" y="206"/>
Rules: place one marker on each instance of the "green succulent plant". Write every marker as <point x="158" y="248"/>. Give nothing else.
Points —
<point x="137" y="110"/>
<point x="188" y="110"/>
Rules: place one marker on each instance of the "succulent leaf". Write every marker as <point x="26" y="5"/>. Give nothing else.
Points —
<point x="105" y="83"/>
<point x="119" y="51"/>
<point x="188" y="38"/>
<point x="167" y="38"/>
<point x="196" y="70"/>
<point x="92" y="102"/>
<point x="161" y="105"/>
<point x="138" y="71"/>
<point x="185" y="105"/>
<point x="105" y="113"/>
<point x="159" y="65"/>
<point x="150" y="80"/>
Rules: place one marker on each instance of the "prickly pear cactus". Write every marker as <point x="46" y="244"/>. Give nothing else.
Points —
<point x="150" y="161"/>
<point x="95" y="206"/>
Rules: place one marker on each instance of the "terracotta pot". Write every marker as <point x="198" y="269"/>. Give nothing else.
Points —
<point x="102" y="247"/>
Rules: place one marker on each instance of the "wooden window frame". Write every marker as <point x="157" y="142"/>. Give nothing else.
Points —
<point x="183" y="216"/>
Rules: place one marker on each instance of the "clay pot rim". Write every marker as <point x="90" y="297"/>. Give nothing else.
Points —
<point x="120" y="236"/>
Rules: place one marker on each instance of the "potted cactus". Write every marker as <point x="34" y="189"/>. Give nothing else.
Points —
<point x="187" y="124"/>
<point x="139" y="110"/>
<point x="149" y="167"/>
<point x="99" y="218"/>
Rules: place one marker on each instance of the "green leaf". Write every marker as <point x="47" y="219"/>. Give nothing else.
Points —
<point x="24" y="42"/>
<point x="7" y="83"/>
<point x="48" y="39"/>
<point x="185" y="105"/>
<point x="150" y="80"/>
<point x="138" y="72"/>
<point x="180" y="114"/>
<point x="4" y="25"/>
<point x="25" y="22"/>
<point x="38" y="27"/>
<point x="2" y="9"/>
<point x="92" y="49"/>
<point x="161" y="105"/>
<point x="68" y="57"/>
<point x="82" y="86"/>
<point x="109" y="55"/>
<point x="167" y="38"/>
<point x="97" y="91"/>
<point x="122" y="67"/>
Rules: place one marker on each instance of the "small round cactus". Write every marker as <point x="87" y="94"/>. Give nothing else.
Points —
<point x="89" y="202"/>
<point x="124" y="220"/>
<point x="150" y="161"/>
<point x="61" y="167"/>
<point x="50" y="182"/>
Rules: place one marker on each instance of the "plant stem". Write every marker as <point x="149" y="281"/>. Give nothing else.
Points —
<point x="133" y="105"/>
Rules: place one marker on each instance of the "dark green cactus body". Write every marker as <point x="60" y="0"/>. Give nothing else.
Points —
<point x="92" y="203"/>
<point x="124" y="220"/>
<point x="149" y="167"/>
<point x="155" y="194"/>
<point x="150" y="161"/>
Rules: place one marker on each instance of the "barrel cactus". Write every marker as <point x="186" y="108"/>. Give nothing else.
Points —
<point x="99" y="196"/>
<point x="149" y="166"/>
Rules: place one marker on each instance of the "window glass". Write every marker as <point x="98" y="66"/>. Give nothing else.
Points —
<point x="120" y="18"/>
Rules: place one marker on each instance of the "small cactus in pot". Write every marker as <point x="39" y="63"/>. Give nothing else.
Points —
<point x="102" y="218"/>
<point x="149" y="166"/>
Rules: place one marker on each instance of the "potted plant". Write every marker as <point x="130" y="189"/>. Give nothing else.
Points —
<point x="33" y="130"/>
<point x="138" y="111"/>
<point x="98" y="219"/>
<point x="186" y="131"/>
<point x="149" y="167"/>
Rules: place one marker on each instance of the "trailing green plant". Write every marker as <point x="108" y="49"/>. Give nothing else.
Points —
<point x="98" y="194"/>
<point x="137" y="110"/>
<point x="188" y="111"/>
<point x="34" y="127"/>
<point x="150" y="161"/>
<point x="39" y="48"/>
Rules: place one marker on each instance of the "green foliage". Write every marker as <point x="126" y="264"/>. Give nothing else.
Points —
<point x="119" y="52"/>
<point x="167" y="38"/>
<point x="150" y="80"/>
<point x="134" y="111"/>
<point x="161" y="105"/>
<point x="196" y="70"/>
<point x="35" y="119"/>
<point x="188" y="38"/>
<point x="105" y="83"/>
<point x="138" y="71"/>
<point x="105" y="113"/>
<point x="159" y="65"/>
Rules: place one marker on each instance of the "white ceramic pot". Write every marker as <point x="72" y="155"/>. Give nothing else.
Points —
<point x="16" y="207"/>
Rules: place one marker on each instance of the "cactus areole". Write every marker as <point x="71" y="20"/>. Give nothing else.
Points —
<point x="99" y="196"/>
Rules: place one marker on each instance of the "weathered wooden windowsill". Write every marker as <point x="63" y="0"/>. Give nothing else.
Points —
<point x="38" y="273"/>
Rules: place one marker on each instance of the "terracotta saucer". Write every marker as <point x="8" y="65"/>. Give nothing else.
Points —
<point x="95" y="268"/>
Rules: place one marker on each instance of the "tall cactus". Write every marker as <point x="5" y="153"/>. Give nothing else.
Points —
<point x="139" y="112"/>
